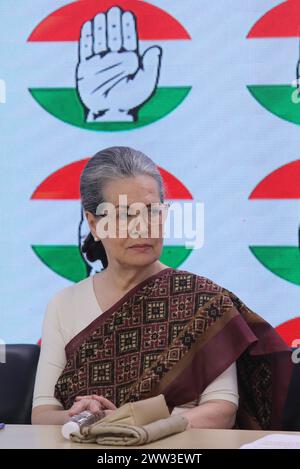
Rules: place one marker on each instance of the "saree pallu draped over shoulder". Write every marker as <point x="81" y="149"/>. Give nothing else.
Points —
<point x="174" y="333"/>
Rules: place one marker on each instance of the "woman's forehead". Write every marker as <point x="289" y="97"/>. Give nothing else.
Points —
<point x="125" y="191"/>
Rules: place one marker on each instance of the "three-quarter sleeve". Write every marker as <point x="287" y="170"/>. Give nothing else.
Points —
<point x="52" y="356"/>
<point x="223" y="387"/>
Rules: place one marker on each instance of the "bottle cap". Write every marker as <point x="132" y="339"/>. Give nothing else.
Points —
<point x="68" y="428"/>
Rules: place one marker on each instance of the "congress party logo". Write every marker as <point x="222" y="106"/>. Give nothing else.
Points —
<point x="281" y="184"/>
<point x="114" y="70"/>
<point x="59" y="195"/>
<point x="280" y="98"/>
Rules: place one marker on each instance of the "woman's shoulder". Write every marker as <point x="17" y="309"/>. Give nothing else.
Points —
<point x="200" y="281"/>
<point x="206" y="287"/>
<point x="71" y="294"/>
<point x="70" y="309"/>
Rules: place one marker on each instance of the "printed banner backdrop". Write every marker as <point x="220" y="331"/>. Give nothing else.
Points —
<point x="213" y="101"/>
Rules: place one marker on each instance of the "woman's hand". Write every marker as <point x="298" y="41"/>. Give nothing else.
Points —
<point x="92" y="403"/>
<point x="85" y="404"/>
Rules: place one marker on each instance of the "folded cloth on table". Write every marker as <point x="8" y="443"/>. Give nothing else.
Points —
<point x="123" y="434"/>
<point x="134" y="423"/>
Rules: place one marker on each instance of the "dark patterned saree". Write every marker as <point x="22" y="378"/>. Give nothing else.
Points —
<point x="174" y="333"/>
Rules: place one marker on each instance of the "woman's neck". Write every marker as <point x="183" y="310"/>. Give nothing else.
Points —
<point x="123" y="278"/>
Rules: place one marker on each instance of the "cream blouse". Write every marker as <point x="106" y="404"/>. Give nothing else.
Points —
<point x="68" y="312"/>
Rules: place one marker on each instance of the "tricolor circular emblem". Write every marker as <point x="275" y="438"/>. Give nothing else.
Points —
<point x="281" y="184"/>
<point x="280" y="63"/>
<point x="108" y="69"/>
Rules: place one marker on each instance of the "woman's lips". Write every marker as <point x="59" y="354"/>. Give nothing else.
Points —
<point x="141" y="247"/>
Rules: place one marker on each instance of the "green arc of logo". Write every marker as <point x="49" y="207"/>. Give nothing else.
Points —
<point x="283" y="261"/>
<point x="64" y="104"/>
<point x="279" y="100"/>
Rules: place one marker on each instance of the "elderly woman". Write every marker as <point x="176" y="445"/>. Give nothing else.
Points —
<point x="139" y="328"/>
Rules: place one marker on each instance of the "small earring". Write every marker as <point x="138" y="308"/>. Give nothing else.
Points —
<point x="95" y="238"/>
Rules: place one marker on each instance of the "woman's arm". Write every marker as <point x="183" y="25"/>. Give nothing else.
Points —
<point x="212" y="414"/>
<point x="52" y="360"/>
<point x="47" y="410"/>
<point x="56" y="415"/>
<point x="49" y="415"/>
<point x="217" y="405"/>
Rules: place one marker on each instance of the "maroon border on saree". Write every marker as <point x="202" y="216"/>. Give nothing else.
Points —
<point x="219" y="349"/>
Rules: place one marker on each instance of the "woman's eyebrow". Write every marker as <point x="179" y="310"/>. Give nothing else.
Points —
<point x="127" y="206"/>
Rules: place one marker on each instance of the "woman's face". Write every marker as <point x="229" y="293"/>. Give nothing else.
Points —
<point x="125" y="249"/>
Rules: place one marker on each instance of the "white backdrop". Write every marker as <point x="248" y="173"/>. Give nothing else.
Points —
<point x="219" y="142"/>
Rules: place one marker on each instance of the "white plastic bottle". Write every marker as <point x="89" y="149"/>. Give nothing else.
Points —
<point x="76" y="423"/>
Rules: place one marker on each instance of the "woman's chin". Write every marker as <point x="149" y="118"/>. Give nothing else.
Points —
<point x="141" y="259"/>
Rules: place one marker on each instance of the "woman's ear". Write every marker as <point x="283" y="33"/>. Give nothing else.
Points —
<point x="91" y="222"/>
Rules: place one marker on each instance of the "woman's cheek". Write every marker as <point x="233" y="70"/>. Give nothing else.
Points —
<point x="158" y="243"/>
